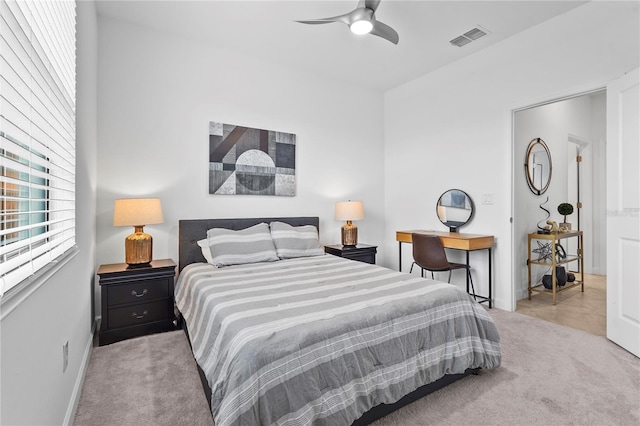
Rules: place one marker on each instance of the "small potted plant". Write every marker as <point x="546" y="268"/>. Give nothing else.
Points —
<point x="565" y="209"/>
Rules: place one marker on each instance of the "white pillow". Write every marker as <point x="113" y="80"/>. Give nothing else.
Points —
<point x="250" y="245"/>
<point x="206" y="252"/>
<point x="295" y="241"/>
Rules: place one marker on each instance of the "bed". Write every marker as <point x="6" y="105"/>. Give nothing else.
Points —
<point x="318" y="339"/>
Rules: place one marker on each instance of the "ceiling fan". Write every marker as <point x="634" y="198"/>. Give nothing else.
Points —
<point x="362" y="20"/>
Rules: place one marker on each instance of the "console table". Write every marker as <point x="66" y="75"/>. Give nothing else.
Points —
<point x="550" y="260"/>
<point x="456" y="241"/>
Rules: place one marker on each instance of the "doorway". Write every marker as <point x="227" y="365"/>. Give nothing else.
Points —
<point x="574" y="129"/>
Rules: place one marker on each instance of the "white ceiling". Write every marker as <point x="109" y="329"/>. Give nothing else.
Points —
<point x="266" y="30"/>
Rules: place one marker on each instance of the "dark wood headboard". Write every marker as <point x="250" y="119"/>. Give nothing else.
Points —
<point x="192" y="230"/>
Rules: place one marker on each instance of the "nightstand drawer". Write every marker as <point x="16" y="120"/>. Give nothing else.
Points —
<point x="136" y="300"/>
<point x="361" y="257"/>
<point x="141" y="291"/>
<point x="362" y="252"/>
<point x="138" y="314"/>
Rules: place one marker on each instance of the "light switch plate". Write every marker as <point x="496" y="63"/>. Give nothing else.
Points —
<point x="487" y="199"/>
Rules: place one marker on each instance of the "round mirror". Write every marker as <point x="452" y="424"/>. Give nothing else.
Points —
<point x="537" y="166"/>
<point x="454" y="209"/>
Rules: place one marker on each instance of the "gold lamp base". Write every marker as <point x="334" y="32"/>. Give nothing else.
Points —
<point x="349" y="234"/>
<point x="138" y="247"/>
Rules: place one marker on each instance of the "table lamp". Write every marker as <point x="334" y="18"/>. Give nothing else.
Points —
<point x="137" y="212"/>
<point x="349" y="211"/>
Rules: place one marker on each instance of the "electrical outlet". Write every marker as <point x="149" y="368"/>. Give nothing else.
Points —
<point x="65" y="356"/>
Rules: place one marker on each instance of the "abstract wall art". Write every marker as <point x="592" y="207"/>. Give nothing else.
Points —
<point x="247" y="161"/>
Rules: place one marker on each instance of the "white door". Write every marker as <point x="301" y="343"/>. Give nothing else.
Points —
<point x="623" y="212"/>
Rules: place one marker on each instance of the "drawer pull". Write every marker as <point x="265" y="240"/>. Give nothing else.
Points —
<point x="133" y="314"/>
<point x="133" y="293"/>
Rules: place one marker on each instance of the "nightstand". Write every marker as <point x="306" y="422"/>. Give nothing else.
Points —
<point x="361" y="252"/>
<point x="136" y="300"/>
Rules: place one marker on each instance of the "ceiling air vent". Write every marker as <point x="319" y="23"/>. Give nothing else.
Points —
<point x="469" y="36"/>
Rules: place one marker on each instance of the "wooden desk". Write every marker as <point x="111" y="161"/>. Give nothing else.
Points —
<point x="456" y="241"/>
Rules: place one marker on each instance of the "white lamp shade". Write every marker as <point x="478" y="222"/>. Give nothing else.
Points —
<point x="137" y="212"/>
<point x="349" y="210"/>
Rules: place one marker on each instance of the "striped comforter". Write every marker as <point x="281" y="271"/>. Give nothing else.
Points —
<point x="321" y="340"/>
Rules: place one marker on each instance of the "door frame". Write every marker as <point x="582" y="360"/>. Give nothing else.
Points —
<point x="517" y="163"/>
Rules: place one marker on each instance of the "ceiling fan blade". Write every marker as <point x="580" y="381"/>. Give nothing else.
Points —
<point x="340" y="18"/>
<point x="383" y="30"/>
<point x="369" y="4"/>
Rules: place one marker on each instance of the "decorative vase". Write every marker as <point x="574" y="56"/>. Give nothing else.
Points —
<point x="561" y="278"/>
<point x="566" y="225"/>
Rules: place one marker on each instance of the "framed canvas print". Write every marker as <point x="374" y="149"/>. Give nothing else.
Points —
<point x="247" y="161"/>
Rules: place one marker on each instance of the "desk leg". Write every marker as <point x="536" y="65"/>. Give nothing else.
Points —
<point x="399" y="256"/>
<point x="490" y="298"/>
<point x="467" y="274"/>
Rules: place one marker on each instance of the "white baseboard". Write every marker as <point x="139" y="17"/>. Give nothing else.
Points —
<point x="77" y="388"/>
<point x="501" y="304"/>
<point x="522" y="293"/>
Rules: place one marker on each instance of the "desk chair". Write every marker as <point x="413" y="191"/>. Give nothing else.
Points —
<point x="429" y="254"/>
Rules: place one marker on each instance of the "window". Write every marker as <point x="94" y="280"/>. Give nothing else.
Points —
<point x="37" y="135"/>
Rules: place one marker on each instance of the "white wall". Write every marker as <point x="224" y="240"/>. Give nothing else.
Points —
<point x="452" y="128"/>
<point x="34" y="390"/>
<point x="554" y="123"/>
<point x="157" y="94"/>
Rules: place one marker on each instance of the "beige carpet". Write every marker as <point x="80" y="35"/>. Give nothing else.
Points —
<point x="151" y="380"/>
<point x="550" y="375"/>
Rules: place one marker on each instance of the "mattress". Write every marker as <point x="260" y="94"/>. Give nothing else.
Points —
<point x="321" y="340"/>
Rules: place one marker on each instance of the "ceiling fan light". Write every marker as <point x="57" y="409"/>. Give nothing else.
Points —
<point x="361" y="27"/>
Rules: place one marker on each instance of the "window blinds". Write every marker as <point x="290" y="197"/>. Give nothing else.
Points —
<point x="37" y="135"/>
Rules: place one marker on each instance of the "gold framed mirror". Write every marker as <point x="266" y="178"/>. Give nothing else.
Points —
<point x="537" y="166"/>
